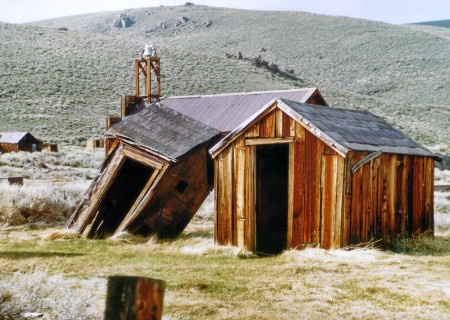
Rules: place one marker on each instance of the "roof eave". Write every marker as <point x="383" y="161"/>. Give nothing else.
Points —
<point x="222" y="144"/>
<point x="116" y="134"/>
<point x="308" y="125"/>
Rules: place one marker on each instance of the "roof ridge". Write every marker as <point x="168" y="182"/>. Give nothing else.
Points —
<point x="335" y="108"/>
<point x="238" y="93"/>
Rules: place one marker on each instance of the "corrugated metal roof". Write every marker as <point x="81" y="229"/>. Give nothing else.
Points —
<point x="12" y="137"/>
<point x="358" y="130"/>
<point x="163" y="131"/>
<point x="227" y="111"/>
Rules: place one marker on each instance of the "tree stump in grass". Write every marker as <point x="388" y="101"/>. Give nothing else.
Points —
<point x="134" y="298"/>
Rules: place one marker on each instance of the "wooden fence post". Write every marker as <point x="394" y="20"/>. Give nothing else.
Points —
<point x="134" y="298"/>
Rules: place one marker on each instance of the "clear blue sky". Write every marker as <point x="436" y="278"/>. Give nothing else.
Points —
<point x="391" y="11"/>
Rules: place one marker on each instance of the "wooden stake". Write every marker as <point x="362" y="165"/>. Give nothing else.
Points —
<point x="134" y="298"/>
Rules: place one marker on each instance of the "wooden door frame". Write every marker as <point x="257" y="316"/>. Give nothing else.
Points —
<point x="124" y="152"/>
<point x="252" y="189"/>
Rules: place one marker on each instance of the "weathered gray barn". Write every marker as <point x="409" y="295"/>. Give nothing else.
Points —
<point x="19" y="141"/>
<point x="296" y="174"/>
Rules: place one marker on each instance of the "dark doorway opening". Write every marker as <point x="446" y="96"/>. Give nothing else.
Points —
<point x="120" y="197"/>
<point x="272" y="171"/>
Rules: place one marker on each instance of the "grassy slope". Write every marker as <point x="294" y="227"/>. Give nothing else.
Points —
<point x="61" y="84"/>
<point x="75" y="78"/>
<point x="396" y="71"/>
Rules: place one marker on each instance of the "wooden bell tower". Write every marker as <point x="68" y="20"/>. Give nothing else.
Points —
<point x="147" y="65"/>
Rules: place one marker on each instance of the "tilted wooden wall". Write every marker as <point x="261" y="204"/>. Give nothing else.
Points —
<point x="328" y="206"/>
<point x="160" y="207"/>
<point x="168" y="211"/>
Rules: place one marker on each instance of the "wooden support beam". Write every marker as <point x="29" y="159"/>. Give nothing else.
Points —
<point x="138" y="66"/>
<point x="366" y="159"/>
<point x="259" y="141"/>
<point x="134" y="298"/>
<point x="148" y="79"/>
<point x="143" y="158"/>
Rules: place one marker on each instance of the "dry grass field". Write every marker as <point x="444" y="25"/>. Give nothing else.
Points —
<point x="63" y="277"/>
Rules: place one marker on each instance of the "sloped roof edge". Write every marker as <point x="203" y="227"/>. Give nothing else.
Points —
<point x="244" y="93"/>
<point x="14" y="137"/>
<point x="163" y="131"/>
<point x="225" y="112"/>
<point x="222" y="144"/>
<point x="334" y="131"/>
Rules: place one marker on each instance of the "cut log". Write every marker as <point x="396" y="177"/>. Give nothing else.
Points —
<point x="134" y="298"/>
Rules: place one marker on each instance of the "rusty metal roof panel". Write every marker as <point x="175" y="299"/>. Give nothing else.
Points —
<point x="225" y="112"/>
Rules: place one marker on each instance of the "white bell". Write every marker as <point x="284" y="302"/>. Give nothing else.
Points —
<point x="148" y="51"/>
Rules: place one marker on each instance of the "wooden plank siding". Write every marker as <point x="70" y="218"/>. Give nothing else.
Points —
<point x="417" y="210"/>
<point x="375" y="230"/>
<point x="389" y="196"/>
<point x="238" y="191"/>
<point x="312" y="189"/>
<point x="298" y="176"/>
<point x="328" y="199"/>
<point x="356" y="203"/>
<point x="332" y="176"/>
<point x="428" y="221"/>
<point x="328" y="205"/>
<point x="169" y="208"/>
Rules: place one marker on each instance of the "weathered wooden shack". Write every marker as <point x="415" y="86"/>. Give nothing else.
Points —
<point x="155" y="176"/>
<point x="19" y="141"/>
<point x="95" y="143"/>
<point x="50" y="147"/>
<point x="295" y="175"/>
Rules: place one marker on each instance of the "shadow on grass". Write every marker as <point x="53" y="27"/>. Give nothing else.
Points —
<point x="422" y="245"/>
<point x="199" y="233"/>
<point x="36" y="254"/>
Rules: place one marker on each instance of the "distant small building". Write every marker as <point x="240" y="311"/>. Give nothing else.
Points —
<point x="19" y="141"/>
<point x="50" y="147"/>
<point x="95" y="143"/>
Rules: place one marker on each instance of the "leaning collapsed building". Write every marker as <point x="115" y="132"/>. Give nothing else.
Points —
<point x="290" y="171"/>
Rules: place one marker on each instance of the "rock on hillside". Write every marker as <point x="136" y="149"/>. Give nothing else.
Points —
<point x="123" y="21"/>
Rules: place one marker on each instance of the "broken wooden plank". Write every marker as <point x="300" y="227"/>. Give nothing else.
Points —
<point x="366" y="159"/>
